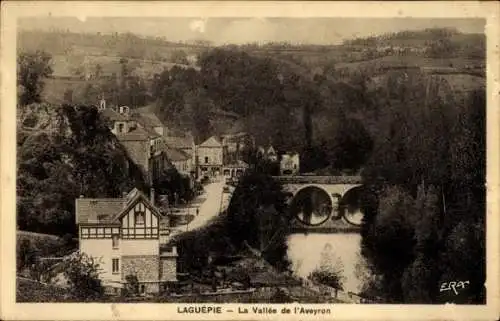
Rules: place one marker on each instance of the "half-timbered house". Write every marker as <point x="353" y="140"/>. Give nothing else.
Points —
<point x="127" y="236"/>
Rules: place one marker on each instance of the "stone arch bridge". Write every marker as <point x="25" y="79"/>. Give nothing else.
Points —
<point x="327" y="204"/>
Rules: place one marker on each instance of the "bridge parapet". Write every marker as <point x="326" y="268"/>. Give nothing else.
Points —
<point x="329" y="194"/>
<point x="324" y="180"/>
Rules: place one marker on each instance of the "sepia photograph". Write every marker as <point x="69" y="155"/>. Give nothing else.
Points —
<point x="251" y="160"/>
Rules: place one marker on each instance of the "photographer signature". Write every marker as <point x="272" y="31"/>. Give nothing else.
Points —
<point x="447" y="286"/>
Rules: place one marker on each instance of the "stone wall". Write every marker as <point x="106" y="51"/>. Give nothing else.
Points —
<point x="145" y="267"/>
<point x="168" y="270"/>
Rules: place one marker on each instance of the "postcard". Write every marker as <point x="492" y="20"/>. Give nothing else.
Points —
<point x="250" y="160"/>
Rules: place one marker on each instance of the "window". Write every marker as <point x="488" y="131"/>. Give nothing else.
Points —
<point x="143" y="288"/>
<point x="115" y="266"/>
<point x="206" y="160"/>
<point x="139" y="218"/>
<point x="115" y="241"/>
<point x="120" y="128"/>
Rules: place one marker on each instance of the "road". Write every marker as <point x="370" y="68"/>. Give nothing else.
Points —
<point x="215" y="201"/>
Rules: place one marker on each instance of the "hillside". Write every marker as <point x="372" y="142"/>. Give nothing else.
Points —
<point x="90" y="65"/>
<point x="65" y="152"/>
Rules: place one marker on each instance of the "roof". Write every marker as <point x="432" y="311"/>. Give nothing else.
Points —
<point x="174" y="154"/>
<point x="146" y="109"/>
<point x="145" y="116"/>
<point x="179" y="141"/>
<point x="138" y="134"/>
<point x="238" y="127"/>
<point x="211" y="142"/>
<point x="108" y="210"/>
<point x="113" y="115"/>
<point x="224" y="113"/>
<point x="131" y="199"/>
<point x="238" y="164"/>
<point x="89" y="210"/>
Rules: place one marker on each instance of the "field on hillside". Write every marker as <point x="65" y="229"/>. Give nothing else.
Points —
<point x="72" y="65"/>
<point x="45" y="244"/>
<point x="412" y="61"/>
<point x="70" y="70"/>
<point x="32" y="291"/>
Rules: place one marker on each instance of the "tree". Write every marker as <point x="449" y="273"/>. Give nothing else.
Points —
<point x="132" y="285"/>
<point x="32" y="68"/>
<point x="387" y="243"/>
<point x="82" y="274"/>
<point x="172" y="183"/>
<point x="198" y="107"/>
<point x="257" y="216"/>
<point x="78" y="155"/>
<point x="330" y="270"/>
<point x="25" y="254"/>
<point x="179" y="57"/>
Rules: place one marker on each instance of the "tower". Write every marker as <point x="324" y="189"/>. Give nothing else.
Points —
<point x="102" y="104"/>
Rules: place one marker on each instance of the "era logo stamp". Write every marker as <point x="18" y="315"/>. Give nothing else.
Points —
<point x="453" y="285"/>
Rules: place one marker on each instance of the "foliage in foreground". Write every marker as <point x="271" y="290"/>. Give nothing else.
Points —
<point x="428" y="225"/>
<point x="256" y="217"/>
<point x="83" y="277"/>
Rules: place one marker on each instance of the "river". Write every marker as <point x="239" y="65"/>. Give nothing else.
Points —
<point x="305" y="252"/>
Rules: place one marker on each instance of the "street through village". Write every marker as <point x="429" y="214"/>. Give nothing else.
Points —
<point x="211" y="202"/>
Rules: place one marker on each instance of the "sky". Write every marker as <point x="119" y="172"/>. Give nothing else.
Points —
<point x="245" y="30"/>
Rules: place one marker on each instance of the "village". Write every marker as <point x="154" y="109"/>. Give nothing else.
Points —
<point x="134" y="236"/>
<point x="151" y="169"/>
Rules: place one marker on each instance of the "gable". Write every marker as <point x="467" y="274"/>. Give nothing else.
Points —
<point x="137" y="197"/>
<point x="211" y="142"/>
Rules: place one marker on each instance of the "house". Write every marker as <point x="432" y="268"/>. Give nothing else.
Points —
<point x="289" y="164"/>
<point x="183" y="141"/>
<point x="235" y="170"/>
<point x="179" y="159"/>
<point x="268" y="153"/>
<point x="120" y="120"/>
<point x="143" y="146"/>
<point x="271" y="154"/>
<point x="139" y="138"/>
<point x="210" y="156"/>
<point x="127" y="236"/>
<point x="145" y="116"/>
<point x="237" y="141"/>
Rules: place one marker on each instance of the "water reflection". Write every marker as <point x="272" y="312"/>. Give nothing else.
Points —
<point x="311" y="206"/>
<point x="305" y="253"/>
<point x="354" y="217"/>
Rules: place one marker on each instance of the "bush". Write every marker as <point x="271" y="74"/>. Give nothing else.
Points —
<point x="81" y="272"/>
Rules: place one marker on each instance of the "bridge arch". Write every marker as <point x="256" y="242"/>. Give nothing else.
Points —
<point x="315" y="204"/>
<point x="351" y="205"/>
<point x="311" y="205"/>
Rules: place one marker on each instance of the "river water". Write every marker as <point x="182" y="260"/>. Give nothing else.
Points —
<point x="305" y="251"/>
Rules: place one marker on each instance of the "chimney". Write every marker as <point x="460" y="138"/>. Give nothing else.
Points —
<point x="152" y="196"/>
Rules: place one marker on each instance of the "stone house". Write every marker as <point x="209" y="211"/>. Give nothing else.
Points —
<point x="267" y="153"/>
<point x="210" y="156"/>
<point x="127" y="236"/>
<point x="139" y="137"/>
<point x="179" y="159"/>
<point x="146" y="117"/>
<point x="185" y="143"/>
<point x="235" y="170"/>
<point x="290" y="164"/>
<point x="144" y="148"/>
